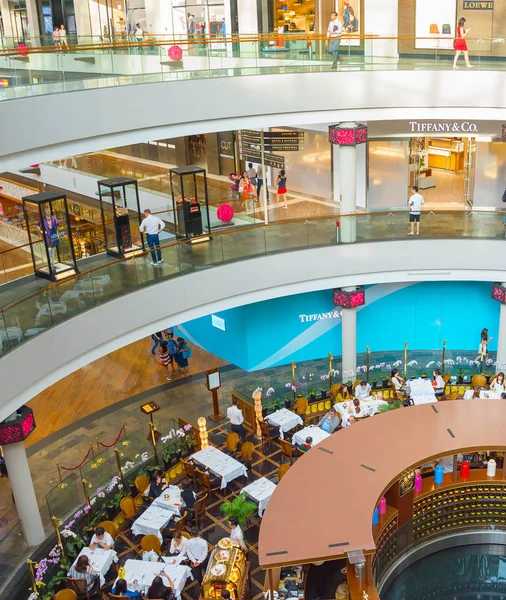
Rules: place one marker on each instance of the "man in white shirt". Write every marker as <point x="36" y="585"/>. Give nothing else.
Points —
<point x="363" y="390"/>
<point x="152" y="226"/>
<point x="415" y="207"/>
<point x="101" y="539"/>
<point x="196" y="550"/>
<point x="334" y="31"/>
<point x="234" y="414"/>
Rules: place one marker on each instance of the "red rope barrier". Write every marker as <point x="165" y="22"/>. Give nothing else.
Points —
<point x="115" y="441"/>
<point x="78" y="466"/>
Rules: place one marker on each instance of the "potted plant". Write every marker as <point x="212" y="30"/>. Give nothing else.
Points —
<point x="240" y="508"/>
<point x="312" y="395"/>
<point x="385" y="382"/>
<point x="390" y="406"/>
<point x="374" y="383"/>
<point x="112" y="506"/>
<point x="190" y="443"/>
<point x="423" y="375"/>
<point x="170" y="456"/>
<point x="460" y="377"/>
<point x="324" y="394"/>
<point x="288" y="402"/>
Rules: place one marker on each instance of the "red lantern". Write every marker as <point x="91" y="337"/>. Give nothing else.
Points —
<point x="175" y="53"/>
<point x="464" y="470"/>
<point x="225" y="213"/>
<point x="22" y="49"/>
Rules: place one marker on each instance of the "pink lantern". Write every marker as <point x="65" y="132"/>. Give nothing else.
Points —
<point x="22" y="49"/>
<point x="225" y="213"/>
<point x="175" y="53"/>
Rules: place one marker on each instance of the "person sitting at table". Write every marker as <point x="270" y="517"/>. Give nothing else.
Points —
<point x="101" y="539"/>
<point x="398" y="382"/>
<point x="363" y="390"/>
<point x="438" y="383"/>
<point x="236" y="534"/>
<point x="330" y="422"/>
<point x="178" y="545"/>
<point x="188" y="496"/>
<point x="158" y="590"/>
<point x="196" y="550"/>
<point x="307" y="445"/>
<point x="355" y="408"/>
<point x="344" y="393"/>
<point x="350" y="421"/>
<point x="498" y="384"/>
<point x="156" y="486"/>
<point x="83" y="570"/>
<point x="121" y="589"/>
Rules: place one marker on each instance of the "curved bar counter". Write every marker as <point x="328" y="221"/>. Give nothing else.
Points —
<point x="349" y="472"/>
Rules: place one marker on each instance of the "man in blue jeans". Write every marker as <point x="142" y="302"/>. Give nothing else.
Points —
<point x="152" y="226"/>
<point x="333" y="41"/>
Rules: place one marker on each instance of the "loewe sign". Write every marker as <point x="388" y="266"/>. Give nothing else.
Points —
<point x="476" y="5"/>
<point x="442" y="127"/>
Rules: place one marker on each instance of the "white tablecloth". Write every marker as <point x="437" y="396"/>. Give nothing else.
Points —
<point x="220" y="464"/>
<point x="260" y="491"/>
<point x="145" y="571"/>
<point x="173" y="502"/>
<point x="313" y="431"/>
<point x="368" y="407"/>
<point x="484" y="394"/>
<point x="284" y="419"/>
<point x="100" y="559"/>
<point x="152" y="521"/>
<point x="424" y="399"/>
<point x="419" y="387"/>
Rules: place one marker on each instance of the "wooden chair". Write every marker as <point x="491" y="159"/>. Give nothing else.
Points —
<point x="453" y="396"/>
<point x="301" y="407"/>
<point x="205" y="481"/>
<point x="151" y="543"/>
<point x="282" y="471"/>
<point x="186" y="535"/>
<point x="334" y="390"/>
<point x="80" y="588"/>
<point x="492" y="379"/>
<point x="247" y="452"/>
<point x="114" y="597"/>
<point x="446" y="378"/>
<point x="266" y="435"/>
<point x="287" y="450"/>
<point x="355" y="383"/>
<point x="128" y="507"/>
<point x="232" y="442"/>
<point x="109" y="527"/>
<point x="199" y="510"/>
<point x="67" y="594"/>
<point x="189" y="470"/>
<point x="141" y="483"/>
<point x="178" y="525"/>
<point x="479" y="381"/>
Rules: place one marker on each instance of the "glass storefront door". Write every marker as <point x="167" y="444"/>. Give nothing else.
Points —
<point x="470" y="172"/>
<point x="207" y="17"/>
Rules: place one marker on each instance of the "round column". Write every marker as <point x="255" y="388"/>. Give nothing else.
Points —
<point x="501" y="338"/>
<point x="348" y="188"/>
<point x="349" y="343"/>
<point x="24" y="494"/>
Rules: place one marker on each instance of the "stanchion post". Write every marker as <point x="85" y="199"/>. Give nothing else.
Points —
<point x="125" y="441"/>
<point x="331" y="370"/>
<point x="405" y="359"/>
<point x="294" y="392"/>
<point x="153" y="439"/>
<point x="443" y="358"/>
<point x="120" y="472"/>
<point x="62" y="485"/>
<point x="86" y="494"/>
<point x="58" y="536"/>
<point x="367" y="360"/>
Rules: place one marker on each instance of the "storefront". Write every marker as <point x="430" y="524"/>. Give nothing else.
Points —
<point x="434" y="22"/>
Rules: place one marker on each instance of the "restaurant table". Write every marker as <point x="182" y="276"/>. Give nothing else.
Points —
<point x="155" y="518"/>
<point x="260" y="491"/>
<point x="172" y="502"/>
<point x="419" y="387"/>
<point x="285" y="420"/>
<point x="177" y="559"/>
<point x="368" y="406"/>
<point x="424" y="399"/>
<point x="101" y="560"/>
<point x="220" y="464"/>
<point x="484" y="394"/>
<point x="145" y="571"/>
<point x="313" y="431"/>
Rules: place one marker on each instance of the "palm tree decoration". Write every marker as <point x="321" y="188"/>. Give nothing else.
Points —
<point x="390" y="406"/>
<point x="240" y="508"/>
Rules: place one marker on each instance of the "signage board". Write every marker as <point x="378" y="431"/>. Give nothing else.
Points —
<point x="478" y="5"/>
<point x="274" y="141"/>
<point x="270" y="160"/>
<point x="443" y="127"/>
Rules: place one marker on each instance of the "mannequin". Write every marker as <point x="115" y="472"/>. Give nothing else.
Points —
<point x="49" y="229"/>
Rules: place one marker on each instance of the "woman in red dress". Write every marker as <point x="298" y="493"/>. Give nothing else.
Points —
<point x="460" y="44"/>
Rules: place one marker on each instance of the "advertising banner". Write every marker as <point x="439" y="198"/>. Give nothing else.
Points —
<point x="349" y="13"/>
<point x="435" y="24"/>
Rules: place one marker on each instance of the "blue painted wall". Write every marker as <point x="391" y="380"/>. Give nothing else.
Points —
<point x="424" y="314"/>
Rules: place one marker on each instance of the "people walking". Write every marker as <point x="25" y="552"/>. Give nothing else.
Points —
<point x="165" y="359"/>
<point x="281" y="183"/>
<point x="234" y="414"/>
<point x="415" y="206"/>
<point x="152" y="226"/>
<point x="460" y="44"/>
<point x="157" y="339"/>
<point x="260" y="182"/>
<point x="63" y="37"/>
<point x="56" y="36"/>
<point x="183" y="353"/>
<point x="334" y="31"/>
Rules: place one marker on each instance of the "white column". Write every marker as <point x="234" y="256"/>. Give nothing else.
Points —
<point x="24" y="495"/>
<point x="33" y="21"/>
<point x="159" y="17"/>
<point x="501" y="339"/>
<point x="349" y="342"/>
<point x="348" y="189"/>
<point x="6" y="19"/>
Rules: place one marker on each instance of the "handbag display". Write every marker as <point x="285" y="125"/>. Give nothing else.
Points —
<point x="434" y="28"/>
<point x="447" y="30"/>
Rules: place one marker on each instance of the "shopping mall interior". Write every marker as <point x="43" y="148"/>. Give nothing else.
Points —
<point x="253" y="299"/>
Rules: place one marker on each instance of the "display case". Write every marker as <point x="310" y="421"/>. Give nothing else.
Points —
<point x="188" y="186"/>
<point x="227" y="569"/>
<point x="121" y="216"/>
<point x="49" y="232"/>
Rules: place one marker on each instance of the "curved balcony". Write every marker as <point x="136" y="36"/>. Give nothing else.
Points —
<point x="97" y="312"/>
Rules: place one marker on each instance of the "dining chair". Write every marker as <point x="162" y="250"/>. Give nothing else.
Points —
<point x="114" y="597"/>
<point x="151" y="543"/>
<point x="178" y="525"/>
<point x="479" y="381"/>
<point x="67" y="594"/>
<point x="199" y="510"/>
<point x="208" y="485"/>
<point x="109" y="527"/>
<point x="265" y="430"/>
<point x="189" y="470"/>
<point x="247" y="453"/>
<point x="232" y="442"/>
<point x="141" y="483"/>
<point x="282" y="471"/>
<point x="128" y="507"/>
<point x="301" y="407"/>
<point x="80" y="588"/>
<point x="286" y="450"/>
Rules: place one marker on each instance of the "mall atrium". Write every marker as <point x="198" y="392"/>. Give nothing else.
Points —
<point x="252" y="323"/>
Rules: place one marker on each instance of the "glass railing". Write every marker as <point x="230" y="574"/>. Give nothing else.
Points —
<point x="14" y="551"/>
<point x="88" y="63"/>
<point x="28" y="310"/>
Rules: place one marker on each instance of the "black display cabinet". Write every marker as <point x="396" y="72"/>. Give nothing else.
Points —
<point x="50" y="235"/>
<point x="188" y="186"/>
<point x="121" y="216"/>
